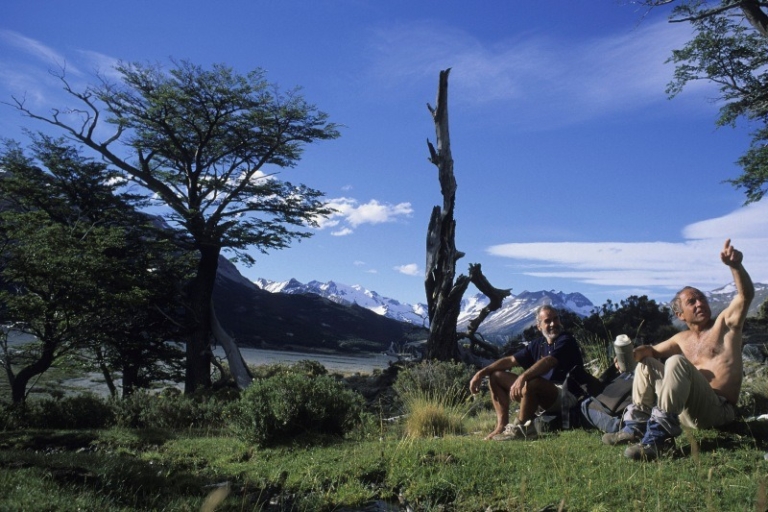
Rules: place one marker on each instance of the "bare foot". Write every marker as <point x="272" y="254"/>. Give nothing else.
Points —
<point x="497" y="431"/>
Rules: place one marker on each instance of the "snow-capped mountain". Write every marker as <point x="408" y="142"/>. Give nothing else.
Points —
<point x="516" y="313"/>
<point x="301" y="321"/>
<point x="348" y="295"/>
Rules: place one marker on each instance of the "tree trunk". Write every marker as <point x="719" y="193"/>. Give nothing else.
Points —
<point x="443" y="295"/>
<point x="443" y="300"/>
<point x="198" y="370"/>
<point x="106" y="372"/>
<point x="130" y="379"/>
<point x="496" y="298"/>
<point x="237" y="365"/>
<point x="20" y="381"/>
<point x="754" y="13"/>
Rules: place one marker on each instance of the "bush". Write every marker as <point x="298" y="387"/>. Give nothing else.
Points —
<point x="172" y="410"/>
<point x="84" y="411"/>
<point x="14" y="416"/>
<point x="435" y="378"/>
<point x="305" y="366"/>
<point x="292" y="403"/>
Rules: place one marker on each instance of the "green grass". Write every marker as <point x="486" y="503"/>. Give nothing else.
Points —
<point x="119" y="469"/>
<point x="206" y="468"/>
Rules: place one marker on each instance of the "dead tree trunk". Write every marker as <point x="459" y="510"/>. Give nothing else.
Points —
<point x="237" y="366"/>
<point x="443" y="294"/>
<point x="442" y="255"/>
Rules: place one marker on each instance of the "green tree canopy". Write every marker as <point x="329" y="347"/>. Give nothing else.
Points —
<point x="640" y="318"/>
<point x="207" y="144"/>
<point x="81" y="269"/>
<point x="729" y="49"/>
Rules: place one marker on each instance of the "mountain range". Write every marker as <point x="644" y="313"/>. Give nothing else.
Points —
<point x="515" y="315"/>
<point x="336" y="317"/>
<point x="307" y="322"/>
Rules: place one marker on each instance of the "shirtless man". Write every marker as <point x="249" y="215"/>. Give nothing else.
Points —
<point x="546" y="363"/>
<point x="698" y="385"/>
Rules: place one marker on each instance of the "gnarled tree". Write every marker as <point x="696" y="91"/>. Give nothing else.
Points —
<point x="444" y="290"/>
<point x="207" y="145"/>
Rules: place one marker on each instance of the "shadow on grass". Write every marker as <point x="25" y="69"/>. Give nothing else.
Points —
<point x="78" y="461"/>
<point x="736" y="436"/>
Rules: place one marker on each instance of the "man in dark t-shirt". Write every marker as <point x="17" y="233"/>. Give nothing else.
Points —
<point x="545" y="363"/>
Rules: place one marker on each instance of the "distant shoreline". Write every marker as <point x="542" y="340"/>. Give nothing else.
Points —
<point x="333" y="362"/>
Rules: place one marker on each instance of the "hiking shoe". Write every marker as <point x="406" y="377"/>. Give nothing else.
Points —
<point x="621" y="437"/>
<point x="648" y="452"/>
<point x="640" y="451"/>
<point x="657" y="436"/>
<point x="516" y="430"/>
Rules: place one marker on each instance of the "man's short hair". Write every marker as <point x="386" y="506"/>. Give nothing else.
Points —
<point x="546" y="307"/>
<point x="677" y="307"/>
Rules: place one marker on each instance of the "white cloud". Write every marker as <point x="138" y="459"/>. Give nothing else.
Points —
<point x="545" y="78"/>
<point x="410" y="269"/>
<point x="353" y="214"/>
<point x="745" y="222"/>
<point x="37" y="49"/>
<point x="342" y="232"/>
<point x="104" y="65"/>
<point x="670" y="265"/>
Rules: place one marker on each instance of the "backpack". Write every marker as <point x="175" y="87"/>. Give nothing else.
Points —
<point x="604" y="410"/>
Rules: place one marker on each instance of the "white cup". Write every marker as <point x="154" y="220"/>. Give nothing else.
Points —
<point x="623" y="348"/>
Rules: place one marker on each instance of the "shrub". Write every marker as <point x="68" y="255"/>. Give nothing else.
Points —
<point x="435" y="378"/>
<point x="172" y="410"/>
<point x="291" y="403"/>
<point x="83" y="411"/>
<point x="14" y="416"/>
<point x="306" y="367"/>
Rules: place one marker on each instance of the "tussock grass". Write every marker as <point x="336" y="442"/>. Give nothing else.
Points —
<point x="596" y="351"/>
<point x="433" y="415"/>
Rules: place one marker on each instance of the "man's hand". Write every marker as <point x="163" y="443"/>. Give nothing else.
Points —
<point x="474" y="383"/>
<point x="730" y="255"/>
<point x="517" y="389"/>
<point x="642" y="352"/>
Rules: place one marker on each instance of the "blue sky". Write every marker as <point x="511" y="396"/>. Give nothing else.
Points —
<point x="575" y="171"/>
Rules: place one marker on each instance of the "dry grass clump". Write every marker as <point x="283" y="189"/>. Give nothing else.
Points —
<point x="432" y="415"/>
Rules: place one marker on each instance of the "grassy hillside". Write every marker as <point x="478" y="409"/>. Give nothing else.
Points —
<point x="380" y="466"/>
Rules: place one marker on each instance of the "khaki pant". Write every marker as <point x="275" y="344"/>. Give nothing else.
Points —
<point x="677" y="387"/>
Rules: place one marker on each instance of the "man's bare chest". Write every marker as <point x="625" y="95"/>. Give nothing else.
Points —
<point x="704" y="349"/>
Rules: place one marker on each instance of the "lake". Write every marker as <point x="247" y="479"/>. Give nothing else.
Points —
<point x="332" y="362"/>
<point x="254" y="356"/>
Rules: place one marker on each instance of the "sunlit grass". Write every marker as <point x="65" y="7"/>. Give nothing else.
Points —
<point x="433" y="413"/>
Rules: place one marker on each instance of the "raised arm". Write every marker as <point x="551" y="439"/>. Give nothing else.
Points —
<point x="736" y="312"/>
